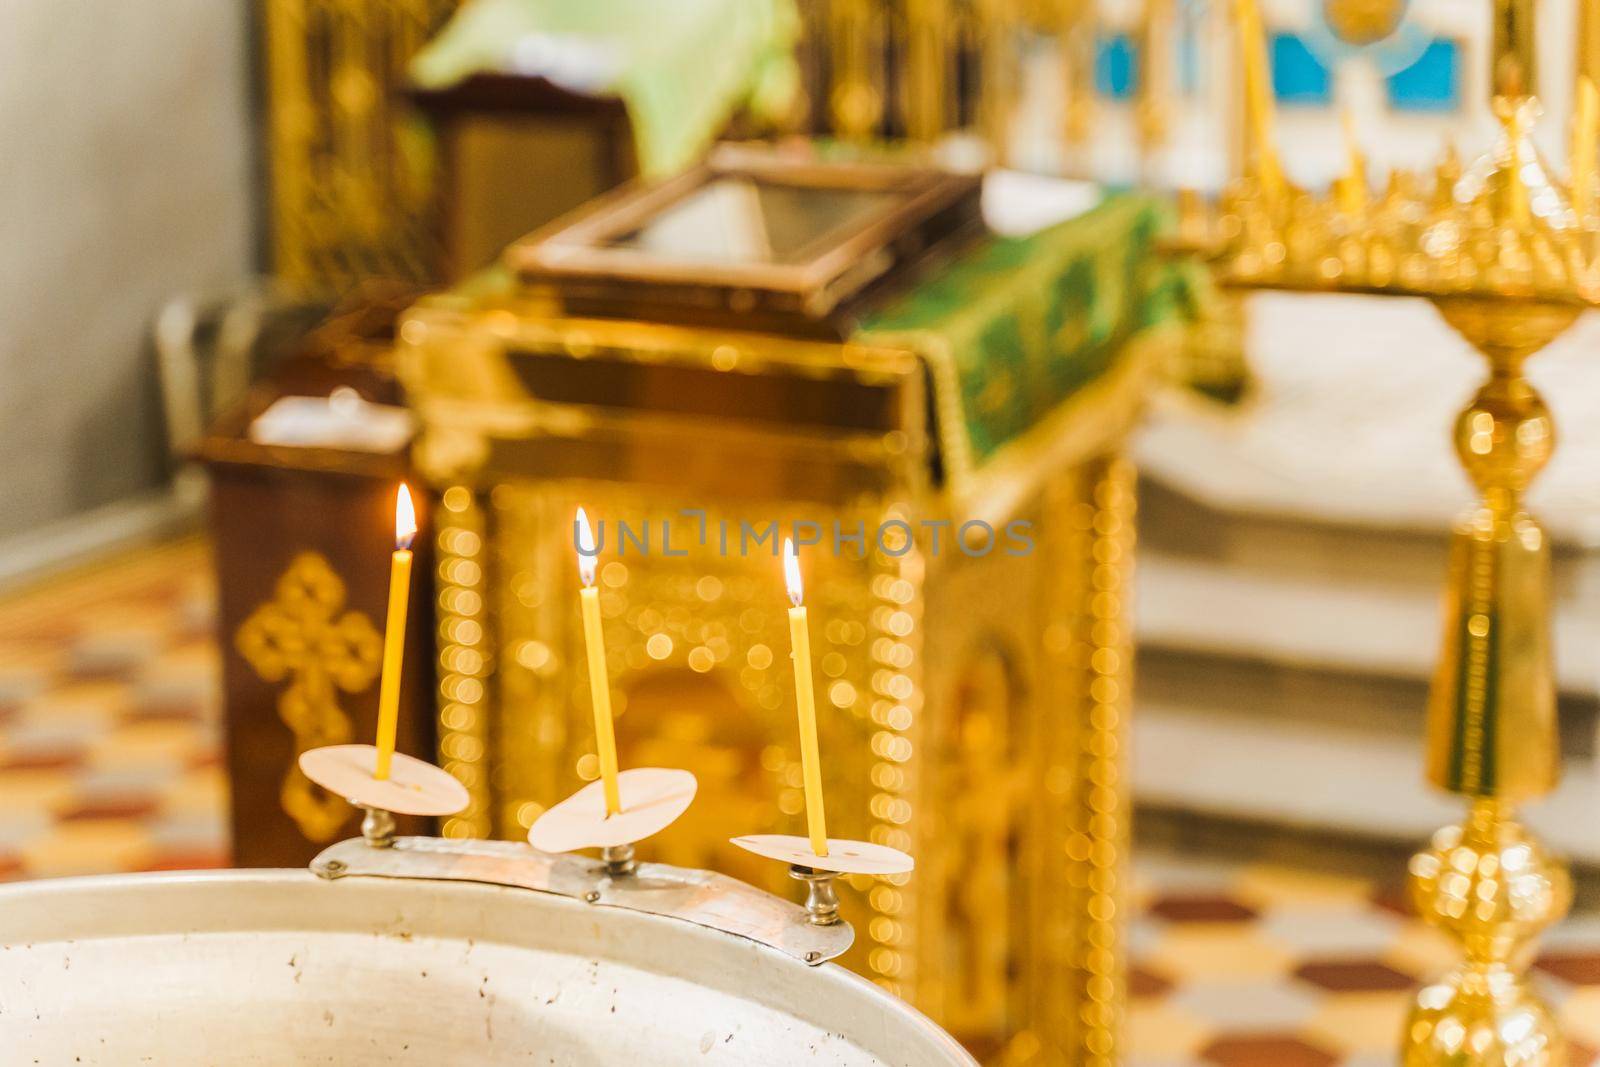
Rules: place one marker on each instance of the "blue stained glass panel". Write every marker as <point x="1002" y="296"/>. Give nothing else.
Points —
<point x="1116" y="68"/>
<point x="1298" y="76"/>
<point x="1432" y="83"/>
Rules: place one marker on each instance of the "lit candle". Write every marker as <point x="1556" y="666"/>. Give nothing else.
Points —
<point x="1585" y="132"/>
<point x="605" y="737"/>
<point x="394" y="632"/>
<point x="806" y="700"/>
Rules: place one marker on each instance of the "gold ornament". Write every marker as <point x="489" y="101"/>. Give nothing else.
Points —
<point x="351" y="170"/>
<point x="1363" y="22"/>
<point x="1492" y="887"/>
<point x="301" y="635"/>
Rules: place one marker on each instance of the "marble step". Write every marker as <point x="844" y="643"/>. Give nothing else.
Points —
<point x="1350" y="421"/>
<point x="1375" y="705"/>
<point x="1315" y="779"/>
<point x="1344" y="598"/>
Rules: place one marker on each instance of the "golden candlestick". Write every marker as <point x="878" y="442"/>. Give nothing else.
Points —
<point x="1585" y="142"/>
<point x="1352" y="188"/>
<point x="1500" y="250"/>
<point x="1156" y="80"/>
<point x="855" y="29"/>
<point x="1259" y="153"/>
<point x="929" y="68"/>
<point x="1492" y="734"/>
<point x="1588" y="50"/>
<point x="1075" y="41"/>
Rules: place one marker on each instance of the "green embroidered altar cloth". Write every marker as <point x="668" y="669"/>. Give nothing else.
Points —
<point x="1015" y="327"/>
<point x="1022" y="336"/>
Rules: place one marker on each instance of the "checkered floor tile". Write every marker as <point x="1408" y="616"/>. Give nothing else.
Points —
<point x="110" y="760"/>
<point x="109" y="720"/>
<point x="1242" y="965"/>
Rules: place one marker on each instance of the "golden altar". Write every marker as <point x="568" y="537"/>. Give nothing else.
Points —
<point x="968" y="595"/>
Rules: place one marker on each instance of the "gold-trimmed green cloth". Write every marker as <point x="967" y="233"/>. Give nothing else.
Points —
<point x="1030" y="343"/>
<point x="683" y="68"/>
<point x="1016" y="326"/>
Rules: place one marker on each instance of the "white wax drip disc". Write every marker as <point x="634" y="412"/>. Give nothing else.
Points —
<point x="652" y="799"/>
<point x="414" y="787"/>
<point x="844" y="857"/>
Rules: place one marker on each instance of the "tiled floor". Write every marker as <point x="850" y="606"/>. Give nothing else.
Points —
<point x="109" y="761"/>
<point x="1245" y="965"/>
<point x="109" y="720"/>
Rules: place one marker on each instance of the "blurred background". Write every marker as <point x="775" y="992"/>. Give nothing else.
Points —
<point x="254" y="257"/>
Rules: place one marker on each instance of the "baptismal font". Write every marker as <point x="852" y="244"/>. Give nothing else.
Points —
<point x="1506" y="251"/>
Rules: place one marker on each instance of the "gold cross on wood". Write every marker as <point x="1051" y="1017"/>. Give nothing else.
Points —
<point x="302" y="635"/>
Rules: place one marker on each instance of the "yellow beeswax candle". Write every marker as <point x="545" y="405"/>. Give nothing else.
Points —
<point x="605" y="737"/>
<point x="394" y="630"/>
<point x="806" y="701"/>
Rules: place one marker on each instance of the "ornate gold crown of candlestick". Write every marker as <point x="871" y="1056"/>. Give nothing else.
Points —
<point x="1508" y="254"/>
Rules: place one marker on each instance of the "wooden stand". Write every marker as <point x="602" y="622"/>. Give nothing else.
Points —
<point x="305" y="533"/>
<point x="515" y="153"/>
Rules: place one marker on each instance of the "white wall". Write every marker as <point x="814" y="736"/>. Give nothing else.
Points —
<point x="124" y="178"/>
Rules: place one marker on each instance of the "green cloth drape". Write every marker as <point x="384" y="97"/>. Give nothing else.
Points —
<point x="683" y="68"/>
<point x="1015" y="326"/>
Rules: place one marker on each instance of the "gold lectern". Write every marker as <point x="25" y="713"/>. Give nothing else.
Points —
<point x="772" y="347"/>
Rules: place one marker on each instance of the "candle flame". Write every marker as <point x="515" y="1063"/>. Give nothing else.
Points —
<point x="405" y="518"/>
<point x="791" y="573"/>
<point x="586" y="549"/>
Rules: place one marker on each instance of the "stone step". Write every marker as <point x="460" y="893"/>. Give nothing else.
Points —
<point x="1350" y="421"/>
<point x="1376" y="705"/>
<point x="1316" y="779"/>
<point x="1345" y="598"/>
